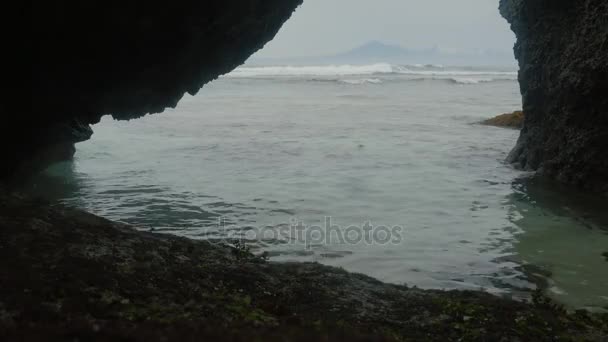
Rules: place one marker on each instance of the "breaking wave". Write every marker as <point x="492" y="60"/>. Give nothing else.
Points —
<point x="371" y="69"/>
<point x="325" y="70"/>
<point x="374" y="74"/>
<point x="466" y="80"/>
<point x="362" y="81"/>
<point x="450" y="80"/>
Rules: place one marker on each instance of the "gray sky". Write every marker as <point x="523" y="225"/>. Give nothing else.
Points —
<point x="321" y="27"/>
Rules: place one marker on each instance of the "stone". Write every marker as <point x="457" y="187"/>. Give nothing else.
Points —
<point x="508" y="120"/>
<point x="562" y="49"/>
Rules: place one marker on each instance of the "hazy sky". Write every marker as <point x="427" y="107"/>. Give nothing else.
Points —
<point x="321" y="27"/>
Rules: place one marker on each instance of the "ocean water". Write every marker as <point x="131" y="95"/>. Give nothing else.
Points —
<point x="303" y="162"/>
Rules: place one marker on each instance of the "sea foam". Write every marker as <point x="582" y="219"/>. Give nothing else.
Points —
<point x="361" y="81"/>
<point x="322" y="70"/>
<point x="380" y="70"/>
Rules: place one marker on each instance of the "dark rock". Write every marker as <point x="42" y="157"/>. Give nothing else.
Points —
<point x="69" y="275"/>
<point x="562" y="49"/>
<point x="127" y="59"/>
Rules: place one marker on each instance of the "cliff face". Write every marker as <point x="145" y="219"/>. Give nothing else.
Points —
<point x="92" y="58"/>
<point x="562" y="49"/>
<point x="127" y="59"/>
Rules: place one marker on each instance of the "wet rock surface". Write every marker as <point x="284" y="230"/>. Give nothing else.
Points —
<point x="562" y="49"/>
<point x="66" y="274"/>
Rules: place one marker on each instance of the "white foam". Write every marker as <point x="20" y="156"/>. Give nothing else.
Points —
<point x="362" y="81"/>
<point x="448" y="73"/>
<point x="423" y="71"/>
<point x="467" y="80"/>
<point x="326" y="70"/>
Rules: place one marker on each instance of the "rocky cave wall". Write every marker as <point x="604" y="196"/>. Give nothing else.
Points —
<point x="128" y="59"/>
<point x="562" y="49"/>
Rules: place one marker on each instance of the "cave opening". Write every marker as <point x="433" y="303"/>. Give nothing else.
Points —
<point x="340" y="177"/>
<point x="356" y="115"/>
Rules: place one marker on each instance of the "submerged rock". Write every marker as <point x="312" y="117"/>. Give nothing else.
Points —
<point x="562" y="49"/>
<point x="67" y="274"/>
<point x="508" y="120"/>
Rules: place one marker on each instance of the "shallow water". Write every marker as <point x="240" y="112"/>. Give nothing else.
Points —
<point x="262" y="149"/>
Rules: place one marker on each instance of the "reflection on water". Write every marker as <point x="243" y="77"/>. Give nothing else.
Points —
<point x="59" y="182"/>
<point x="563" y="236"/>
<point x="556" y="241"/>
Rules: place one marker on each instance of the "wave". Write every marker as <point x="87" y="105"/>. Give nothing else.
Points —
<point x="352" y="81"/>
<point x="325" y="70"/>
<point x="452" y="80"/>
<point x="404" y="70"/>
<point x="362" y="81"/>
<point x="361" y="70"/>
<point x="466" y="80"/>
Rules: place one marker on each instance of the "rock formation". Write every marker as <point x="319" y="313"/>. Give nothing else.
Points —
<point x="91" y="58"/>
<point x="507" y="120"/>
<point x="562" y="49"/>
<point x="127" y="59"/>
<point x="67" y="275"/>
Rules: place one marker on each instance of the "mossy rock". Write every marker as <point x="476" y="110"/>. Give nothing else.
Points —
<point x="509" y="120"/>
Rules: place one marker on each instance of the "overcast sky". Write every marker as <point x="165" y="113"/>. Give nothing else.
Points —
<point x="321" y="27"/>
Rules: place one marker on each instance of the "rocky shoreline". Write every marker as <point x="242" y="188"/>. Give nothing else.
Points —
<point x="70" y="275"/>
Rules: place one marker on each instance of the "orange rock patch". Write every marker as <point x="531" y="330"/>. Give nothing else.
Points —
<point x="509" y="120"/>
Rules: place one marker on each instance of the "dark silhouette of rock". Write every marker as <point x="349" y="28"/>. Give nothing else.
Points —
<point x="127" y="59"/>
<point x="562" y="49"/>
<point x="67" y="274"/>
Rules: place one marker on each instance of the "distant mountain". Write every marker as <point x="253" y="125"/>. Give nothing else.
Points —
<point x="379" y="52"/>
